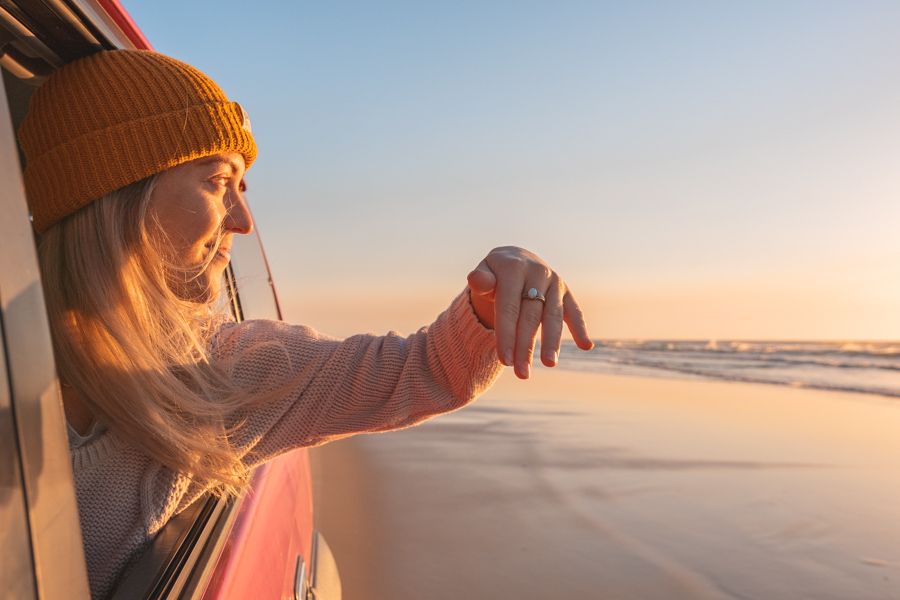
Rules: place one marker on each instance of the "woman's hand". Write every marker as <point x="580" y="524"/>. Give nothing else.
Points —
<point x="499" y="286"/>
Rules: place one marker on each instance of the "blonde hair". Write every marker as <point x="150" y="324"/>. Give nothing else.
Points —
<point x="134" y="348"/>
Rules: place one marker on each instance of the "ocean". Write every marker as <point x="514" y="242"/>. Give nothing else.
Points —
<point x="862" y="367"/>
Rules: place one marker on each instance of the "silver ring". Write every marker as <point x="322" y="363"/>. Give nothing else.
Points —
<point x="533" y="294"/>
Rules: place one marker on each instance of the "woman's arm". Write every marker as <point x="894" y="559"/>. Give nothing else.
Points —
<point x="324" y="389"/>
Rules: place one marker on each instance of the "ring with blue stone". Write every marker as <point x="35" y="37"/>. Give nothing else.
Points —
<point x="533" y="294"/>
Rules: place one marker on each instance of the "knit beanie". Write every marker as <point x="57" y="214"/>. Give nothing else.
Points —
<point x="116" y="117"/>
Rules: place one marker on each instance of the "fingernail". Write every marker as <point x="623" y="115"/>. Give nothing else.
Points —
<point x="527" y="371"/>
<point x="556" y="357"/>
<point x="507" y="358"/>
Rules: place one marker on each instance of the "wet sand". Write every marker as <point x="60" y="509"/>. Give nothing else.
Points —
<point x="578" y="485"/>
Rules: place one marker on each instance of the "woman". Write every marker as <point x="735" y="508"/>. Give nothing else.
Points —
<point x="134" y="175"/>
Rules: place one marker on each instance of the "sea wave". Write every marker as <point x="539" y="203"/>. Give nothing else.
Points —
<point x="859" y="367"/>
<point x="875" y="349"/>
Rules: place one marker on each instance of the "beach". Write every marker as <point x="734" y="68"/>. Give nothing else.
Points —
<point x="586" y="485"/>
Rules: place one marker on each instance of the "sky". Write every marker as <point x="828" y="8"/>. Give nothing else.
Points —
<point x="698" y="170"/>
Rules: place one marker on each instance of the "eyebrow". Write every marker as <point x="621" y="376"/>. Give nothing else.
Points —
<point x="218" y="159"/>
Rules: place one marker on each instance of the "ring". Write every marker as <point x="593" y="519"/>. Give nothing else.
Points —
<point x="533" y="294"/>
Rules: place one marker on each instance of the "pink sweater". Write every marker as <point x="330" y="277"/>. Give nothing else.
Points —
<point x="362" y="384"/>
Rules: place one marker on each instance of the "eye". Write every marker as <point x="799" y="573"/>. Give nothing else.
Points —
<point x="220" y="180"/>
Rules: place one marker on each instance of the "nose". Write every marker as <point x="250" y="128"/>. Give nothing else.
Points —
<point x="238" y="218"/>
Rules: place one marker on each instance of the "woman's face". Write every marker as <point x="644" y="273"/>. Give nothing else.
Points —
<point x="199" y="206"/>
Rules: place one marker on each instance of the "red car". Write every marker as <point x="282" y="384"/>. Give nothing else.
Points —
<point x="261" y="545"/>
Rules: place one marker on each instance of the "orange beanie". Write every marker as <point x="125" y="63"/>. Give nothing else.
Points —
<point x="116" y="117"/>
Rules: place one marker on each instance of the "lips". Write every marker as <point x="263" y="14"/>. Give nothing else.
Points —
<point x="222" y="252"/>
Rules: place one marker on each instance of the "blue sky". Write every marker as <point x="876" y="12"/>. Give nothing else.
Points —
<point x="694" y="169"/>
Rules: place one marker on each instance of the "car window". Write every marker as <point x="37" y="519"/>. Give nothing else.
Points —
<point x="250" y="275"/>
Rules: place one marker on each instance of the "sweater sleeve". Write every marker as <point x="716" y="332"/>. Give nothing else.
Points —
<point x="320" y="389"/>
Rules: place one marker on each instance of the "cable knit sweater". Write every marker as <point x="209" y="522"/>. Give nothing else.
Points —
<point x="339" y="387"/>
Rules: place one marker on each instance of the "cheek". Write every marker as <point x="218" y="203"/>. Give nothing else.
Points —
<point x="189" y="224"/>
<point x="200" y="226"/>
